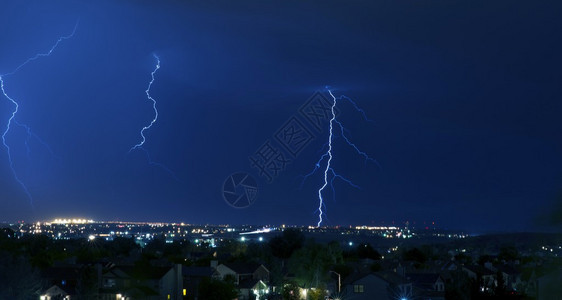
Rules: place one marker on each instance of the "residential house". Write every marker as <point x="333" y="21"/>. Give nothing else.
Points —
<point x="54" y="292"/>
<point x="484" y="276"/>
<point x="382" y="285"/>
<point x="61" y="281"/>
<point x="243" y="271"/>
<point x="511" y="276"/>
<point x="192" y="277"/>
<point x="549" y="286"/>
<point x="250" y="278"/>
<point x="148" y="282"/>
<point x="427" y="285"/>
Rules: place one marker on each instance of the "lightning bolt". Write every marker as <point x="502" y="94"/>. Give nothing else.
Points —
<point x="12" y="118"/>
<point x="48" y="53"/>
<point x="329" y="173"/>
<point x="6" y="144"/>
<point x="139" y="146"/>
<point x="31" y="134"/>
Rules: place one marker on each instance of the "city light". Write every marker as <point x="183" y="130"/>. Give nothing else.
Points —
<point x="72" y="221"/>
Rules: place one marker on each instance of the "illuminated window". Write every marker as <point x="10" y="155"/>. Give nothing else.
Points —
<point x="184" y="292"/>
<point x="358" y="288"/>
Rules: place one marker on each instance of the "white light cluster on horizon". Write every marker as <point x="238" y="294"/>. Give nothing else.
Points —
<point x="376" y="228"/>
<point x="264" y="230"/>
<point x="72" y="221"/>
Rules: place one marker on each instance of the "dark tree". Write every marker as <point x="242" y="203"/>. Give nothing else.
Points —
<point x="463" y="259"/>
<point x="367" y="251"/>
<point x="290" y="291"/>
<point x="509" y="253"/>
<point x="311" y="263"/>
<point x="484" y="259"/>
<point x="375" y="267"/>
<point x="342" y="269"/>
<point x="7" y="233"/>
<point x="87" y="286"/>
<point x="233" y="248"/>
<point x="415" y="254"/>
<point x="122" y="246"/>
<point x="283" y="246"/>
<point x="213" y="289"/>
<point x="459" y="287"/>
<point x="500" y="288"/>
<point x="18" y="279"/>
<point x="156" y="246"/>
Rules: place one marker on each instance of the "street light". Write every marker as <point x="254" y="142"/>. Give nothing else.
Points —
<point x="339" y="280"/>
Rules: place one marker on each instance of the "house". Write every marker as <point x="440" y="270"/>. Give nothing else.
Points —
<point x="61" y="281"/>
<point x="382" y="285"/>
<point x="251" y="279"/>
<point x="115" y="279"/>
<point x="54" y="292"/>
<point x="449" y="266"/>
<point x="148" y="282"/>
<point x="192" y="277"/>
<point x="511" y="276"/>
<point x="253" y="289"/>
<point x="484" y="276"/>
<point x="427" y="285"/>
<point x="243" y="271"/>
<point x="549" y="287"/>
<point x="427" y="281"/>
<point x="447" y="269"/>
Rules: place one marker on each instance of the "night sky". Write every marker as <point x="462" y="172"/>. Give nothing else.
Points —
<point x="465" y="99"/>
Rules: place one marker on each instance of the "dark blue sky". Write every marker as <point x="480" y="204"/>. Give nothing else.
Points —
<point x="465" y="98"/>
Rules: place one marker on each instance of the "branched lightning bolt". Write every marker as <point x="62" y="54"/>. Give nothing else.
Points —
<point x="143" y="140"/>
<point x="6" y="144"/>
<point x="16" y="109"/>
<point x="356" y="107"/>
<point x="48" y="53"/>
<point x="329" y="173"/>
<point x="164" y="167"/>
<point x="31" y="134"/>
<point x="139" y="145"/>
